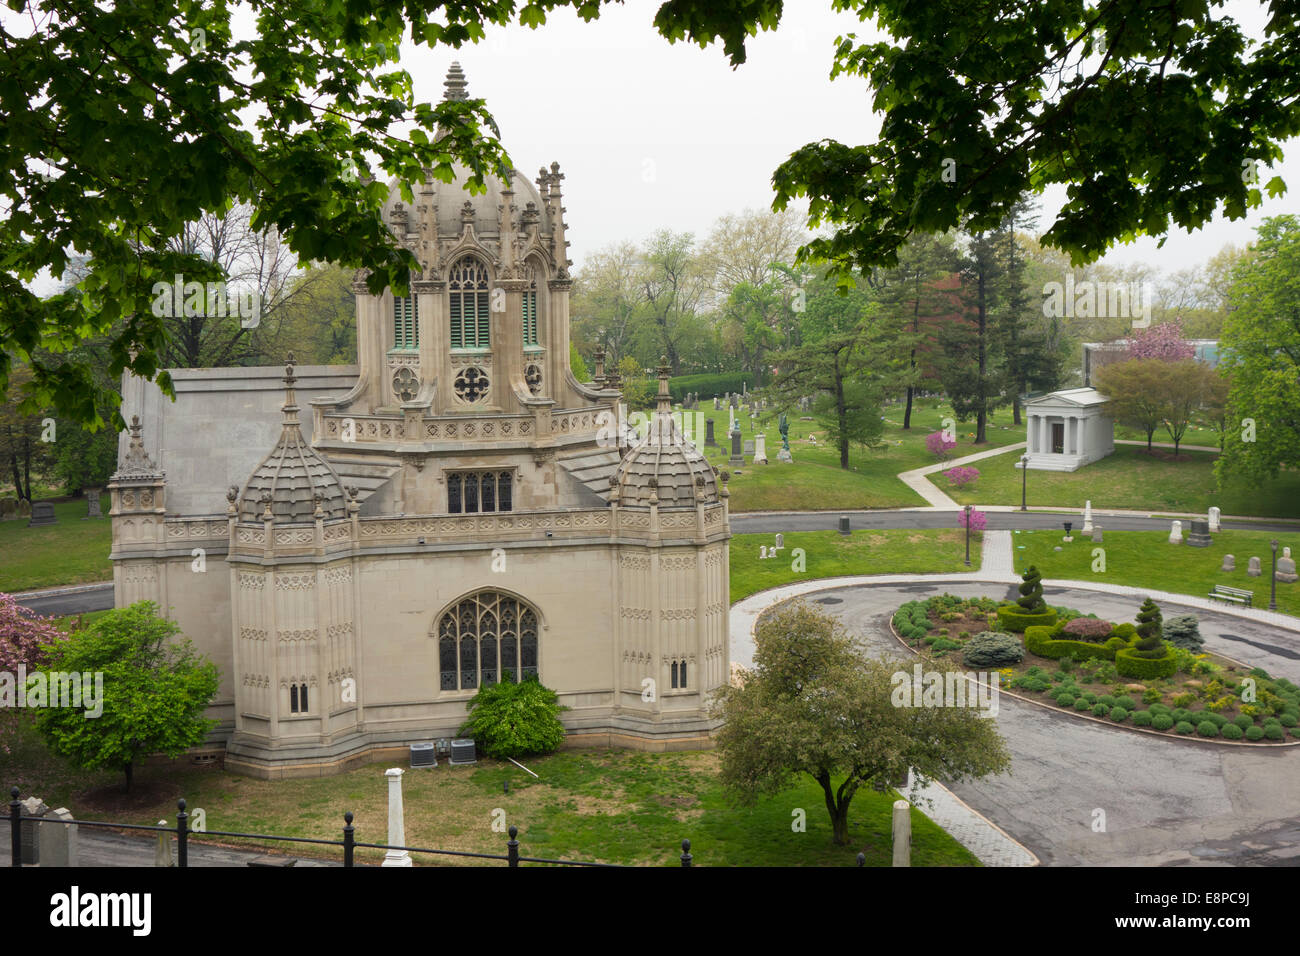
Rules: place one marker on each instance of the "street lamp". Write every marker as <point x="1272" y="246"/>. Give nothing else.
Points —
<point x="1272" y="581"/>
<point x="1024" y="477"/>
<point x="968" y="536"/>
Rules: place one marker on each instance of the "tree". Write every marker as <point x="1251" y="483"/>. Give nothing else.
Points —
<point x="1261" y="353"/>
<point x="25" y="642"/>
<point x="1152" y="117"/>
<point x="742" y="247"/>
<point x="510" y="719"/>
<point x="1188" y="386"/>
<point x="1135" y="393"/>
<point x="1150" y="642"/>
<point x="1164" y="341"/>
<point x="1031" y="592"/>
<point x="671" y="285"/>
<point x="750" y="316"/>
<point x="21" y="449"/>
<point x="813" y="705"/>
<point x="155" y="690"/>
<point x="316" y="319"/>
<point x="606" y="299"/>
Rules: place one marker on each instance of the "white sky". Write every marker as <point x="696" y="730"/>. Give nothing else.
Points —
<point x="653" y="135"/>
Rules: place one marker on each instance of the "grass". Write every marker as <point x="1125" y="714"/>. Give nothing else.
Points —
<point x="1132" y="479"/>
<point x="1147" y="559"/>
<point x="831" y="554"/>
<point x="614" y="807"/>
<point x="815" y="479"/>
<point x="69" y="552"/>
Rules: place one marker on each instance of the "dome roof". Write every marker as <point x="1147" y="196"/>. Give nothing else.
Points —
<point x="293" y="476"/>
<point x="665" y="468"/>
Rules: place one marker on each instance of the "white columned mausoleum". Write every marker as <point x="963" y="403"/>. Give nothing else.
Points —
<point x="1067" y="429"/>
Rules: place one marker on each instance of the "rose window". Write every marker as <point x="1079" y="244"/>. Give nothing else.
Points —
<point x="533" y="376"/>
<point x="405" y="384"/>
<point x="471" y="384"/>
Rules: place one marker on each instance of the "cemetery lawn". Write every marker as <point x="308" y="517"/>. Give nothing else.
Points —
<point x="1131" y="479"/>
<point x="830" y="554"/>
<point x="612" y="807"/>
<point x="1147" y="559"/>
<point x="72" y="551"/>
<point x="815" y="480"/>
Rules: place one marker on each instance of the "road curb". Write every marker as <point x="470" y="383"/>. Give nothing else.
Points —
<point x="59" y="592"/>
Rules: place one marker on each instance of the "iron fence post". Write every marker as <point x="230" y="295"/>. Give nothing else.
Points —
<point x="182" y="832"/>
<point x="512" y="847"/>
<point x="15" y="834"/>
<point x="348" y="839"/>
<point x="686" y="853"/>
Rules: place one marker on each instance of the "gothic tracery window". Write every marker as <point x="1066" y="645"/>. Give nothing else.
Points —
<point x="487" y="637"/>
<point x="470" y="492"/>
<point x="467" y="283"/>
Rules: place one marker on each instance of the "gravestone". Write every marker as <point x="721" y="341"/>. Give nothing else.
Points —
<point x="1252" y="567"/>
<point x="8" y="509"/>
<point x="29" y="833"/>
<point x="58" y="843"/>
<point x="735" y="400"/>
<point x="844" y="525"/>
<point x="780" y="541"/>
<point x="762" y="552"/>
<point x="1229" y="563"/>
<point x="1214" y="520"/>
<point x="42" y="514"/>
<point x="717" y="405"/>
<point x="92" y="503"/>
<point x="1176" y="533"/>
<point x="709" y="440"/>
<point x="1096" y="534"/>
<point x="1087" y="518"/>
<point x="749" y="447"/>
<point x="1199" y="536"/>
<point x="1286" y="568"/>
<point x="736" y="457"/>
<point x="760" y="448"/>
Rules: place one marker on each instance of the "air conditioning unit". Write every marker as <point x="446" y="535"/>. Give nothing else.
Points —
<point x="463" y="752"/>
<point x="422" y="755"/>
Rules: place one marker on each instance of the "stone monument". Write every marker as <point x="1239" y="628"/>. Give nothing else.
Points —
<point x="1229" y="563"/>
<point x="1096" y="534"/>
<point x="42" y="513"/>
<point x="1087" y="518"/>
<point x="1252" y="568"/>
<point x="760" y="449"/>
<point x="396" y="821"/>
<point x="1176" y="533"/>
<point x="736" y="457"/>
<point x="709" y="440"/>
<point x="1214" y="520"/>
<point x="783" y="427"/>
<point x="1286" y="568"/>
<point x="1199" y="536"/>
<point x="92" y="503"/>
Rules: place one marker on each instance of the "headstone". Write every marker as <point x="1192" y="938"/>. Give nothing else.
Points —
<point x="58" y="841"/>
<point x="1214" y="520"/>
<point x="1176" y="533"/>
<point x="762" y="552"/>
<point x="736" y="457"/>
<point x="902" y="832"/>
<point x="709" y="440"/>
<point x="844" y="525"/>
<point x="735" y="400"/>
<point x="92" y="503"/>
<point x="760" y="448"/>
<point x="1096" y="534"/>
<point x="1286" y="568"/>
<point x="1229" y="563"/>
<point x="8" y="509"/>
<point x="42" y="513"/>
<point x="396" y="821"/>
<point x="1252" y="567"/>
<point x="24" y="509"/>
<point x="29" y="833"/>
<point x="749" y="448"/>
<point x="162" y="854"/>
<point x="717" y="405"/>
<point x="1199" y="536"/>
<point x="780" y="541"/>
<point x="1087" y="518"/>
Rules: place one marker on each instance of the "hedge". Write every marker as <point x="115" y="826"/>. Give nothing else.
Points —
<point x="1013" y="619"/>
<point x="1144" y="668"/>
<point x="713" y="385"/>
<point x="1038" y="640"/>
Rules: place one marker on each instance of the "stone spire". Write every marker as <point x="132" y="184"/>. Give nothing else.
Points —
<point x="136" y="463"/>
<point x="455" y="85"/>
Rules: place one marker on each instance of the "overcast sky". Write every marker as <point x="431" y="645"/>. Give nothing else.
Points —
<point x="651" y="134"/>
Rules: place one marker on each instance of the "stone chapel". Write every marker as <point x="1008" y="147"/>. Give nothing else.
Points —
<point x="360" y="548"/>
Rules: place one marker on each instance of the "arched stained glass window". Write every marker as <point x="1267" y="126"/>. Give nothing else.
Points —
<point x="484" y="638"/>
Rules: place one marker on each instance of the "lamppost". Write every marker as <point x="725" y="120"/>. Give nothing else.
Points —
<point x="968" y="536"/>
<point x="1272" y="580"/>
<point x="1024" y="478"/>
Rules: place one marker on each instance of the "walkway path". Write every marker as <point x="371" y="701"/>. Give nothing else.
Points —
<point x="916" y="480"/>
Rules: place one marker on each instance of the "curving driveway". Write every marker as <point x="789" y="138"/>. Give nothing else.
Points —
<point x="1165" y="801"/>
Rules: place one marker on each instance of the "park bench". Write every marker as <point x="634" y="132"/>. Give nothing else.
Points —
<point x="1231" y="595"/>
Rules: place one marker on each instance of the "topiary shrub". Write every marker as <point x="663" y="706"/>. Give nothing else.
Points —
<point x="1243" y="721"/>
<point x="1161" y="721"/>
<point x="1118" y="714"/>
<point x="1183" y="727"/>
<point x="1142" y="718"/>
<point x="1150" y="633"/>
<point x="1081" y="703"/>
<point x="1287" y="720"/>
<point x="1031" y="592"/>
<point x="943" y="644"/>
<point x="1039" y="640"/>
<point x="1090" y="697"/>
<point x="1184" y="631"/>
<point x="1232" y="732"/>
<point x="1100" y="710"/>
<point x="1274" y="732"/>
<point x="1106" y="699"/>
<point x="988" y="649"/>
<point x="1207" y="728"/>
<point x="1125" y="632"/>
<point x="1088" y="629"/>
<point x="1217" y="719"/>
<point x="1180" y="714"/>
<point x="1130" y="664"/>
<point x="1158" y="708"/>
<point x="1126" y="702"/>
<point x="509" y="719"/>
<point x="1151" y="696"/>
<point x="1254" y="732"/>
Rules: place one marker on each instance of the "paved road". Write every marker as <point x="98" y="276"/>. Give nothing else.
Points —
<point x="1167" y="802"/>
<point x="97" y="598"/>
<point x="759" y="523"/>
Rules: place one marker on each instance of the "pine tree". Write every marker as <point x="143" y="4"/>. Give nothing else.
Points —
<point x="1150" y="632"/>
<point x="1031" y="592"/>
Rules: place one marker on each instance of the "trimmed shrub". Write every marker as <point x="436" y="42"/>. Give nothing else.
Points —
<point x="1142" y="718"/>
<point x="1287" y="720"/>
<point x="987" y="649"/>
<point x="1274" y="732"/>
<point x="1100" y="710"/>
<point x="1242" y="721"/>
<point x="1180" y="714"/>
<point x="1081" y="703"/>
<point x="1038" y="640"/>
<point x="1088" y="629"/>
<point x="1130" y="665"/>
<point x="943" y="644"/>
<point x="1114" y="644"/>
<point x="1162" y="721"/>
<point x="1125" y="632"/>
<point x="1207" y="728"/>
<point x="1031" y="593"/>
<point x="710" y="385"/>
<point x="1015" y="619"/>
<point x="1150" y="633"/>
<point x="1107" y="699"/>
<point x="1151" y="696"/>
<point x="1182" y="700"/>
<point x="1254" y="732"/>
<point x="1184" y="631"/>
<point x="1232" y="732"/>
<point x="1295" y="731"/>
<point x="1217" y="719"/>
<point x="1090" y="697"/>
<point x="511" y="719"/>
<point x="1118" y="714"/>
<point x="1184" y="727"/>
<point x="1126" y="702"/>
<point x="1065" y="699"/>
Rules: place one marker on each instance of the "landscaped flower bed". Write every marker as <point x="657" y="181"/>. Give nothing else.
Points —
<point x="1078" y="664"/>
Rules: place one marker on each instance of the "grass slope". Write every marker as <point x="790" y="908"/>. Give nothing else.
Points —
<point x="69" y="552"/>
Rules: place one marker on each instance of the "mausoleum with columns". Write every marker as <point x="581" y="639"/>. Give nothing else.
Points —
<point x="361" y="548"/>
<point x="1068" y="429"/>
